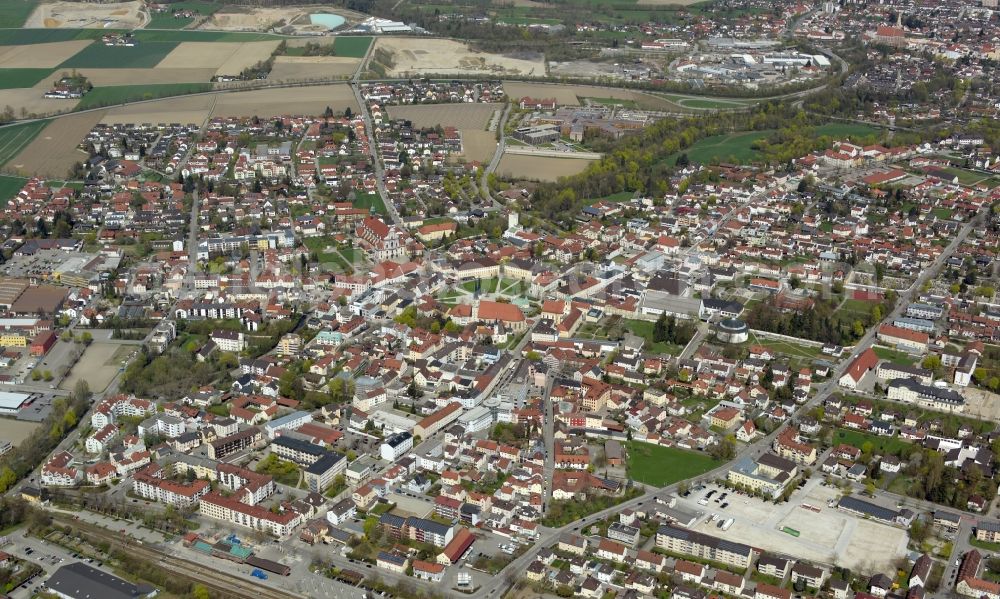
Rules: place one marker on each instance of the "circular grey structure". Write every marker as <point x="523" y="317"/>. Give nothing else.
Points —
<point x="732" y="330"/>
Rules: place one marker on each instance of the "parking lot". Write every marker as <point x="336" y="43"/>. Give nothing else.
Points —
<point x="827" y="535"/>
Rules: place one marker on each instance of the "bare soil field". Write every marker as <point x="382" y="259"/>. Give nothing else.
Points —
<point x="478" y="144"/>
<point x="53" y="153"/>
<point x="461" y="116"/>
<point x="183" y="109"/>
<point x="248" y="55"/>
<point x="540" y="168"/>
<point x="301" y="68"/>
<point x="30" y="100"/>
<point x="414" y="56"/>
<point x="75" y="15"/>
<point x="103" y="77"/>
<point x="981" y="403"/>
<point x="40" y="56"/>
<point x="225" y="58"/>
<point x="96" y="366"/>
<point x="571" y="94"/>
<point x="234" y="18"/>
<point x="16" y="431"/>
<point x="272" y="102"/>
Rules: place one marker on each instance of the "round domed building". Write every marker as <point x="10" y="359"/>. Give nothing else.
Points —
<point x="732" y="330"/>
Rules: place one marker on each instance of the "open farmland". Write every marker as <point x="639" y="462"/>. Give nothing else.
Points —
<point x="352" y="46"/>
<point x="186" y="110"/>
<point x="74" y="15"/>
<point x="540" y="168"/>
<point x="99" y="56"/>
<point x="247" y="56"/>
<point x="53" y="152"/>
<point x="460" y="116"/>
<point x="13" y="13"/>
<point x="15" y="78"/>
<point x="121" y="94"/>
<point x="40" y="56"/>
<point x="415" y="56"/>
<point x="302" y="68"/>
<point x="29" y="101"/>
<point x="478" y="144"/>
<point x="226" y="58"/>
<point x="271" y="102"/>
<point x="111" y="77"/>
<point x="14" y="138"/>
<point x="9" y="186"/>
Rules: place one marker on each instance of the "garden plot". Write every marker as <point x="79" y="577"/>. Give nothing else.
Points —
<point x="40" y="56"/>
<point x="413" y="56"/>
<point x="77" y="15"/>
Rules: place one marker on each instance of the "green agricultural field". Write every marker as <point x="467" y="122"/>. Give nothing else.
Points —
<point x="23" y="37"/>
<point x="9" y="186"/>
<point x="17" y="78"/>
<point x="14" y="138"/>
<point x="352" y="47"/>
<point x="145" y="55"/>
<point x="371" y="201"/>
<point x="120" y="94"/>
<point x="13" y="13"/>
<point x="893" y="445"/>
<point x="185" y="35"/>
<point x="166" y="20"/>
<point x="661" y="466"/>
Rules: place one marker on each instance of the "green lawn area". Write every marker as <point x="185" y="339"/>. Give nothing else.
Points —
<point x="14" y="138"/>
<point x="644" y="329"/>
<point x="965" y="177"/>
<point x="611" y="102"/>
<point x="621" y="196"/>
<point x="994" y="547"/>
<point x="166" y="20"/>
<point x="942" y="213"/>
<point x="17" y="78"/>
<point x="9" y="186"/>
<point x="856" y="307"/>
<point x="787" y="348"/>
<point x="894" y="355"/>
<point x="145" y="55"/>
<point x="13" y="13"/>
<point x="735" y="147"/>
<point x="485" y="285"/>
<point x="371" y="201"/>
<point x="661" y="466"/>
<point x="352" y="255"/>
<point x="352" y="47"/>
<point x="852" y="130"/>
<point x="318" y="244"/>
<point x="892" y="445"/>
<point x="119" y="94"/>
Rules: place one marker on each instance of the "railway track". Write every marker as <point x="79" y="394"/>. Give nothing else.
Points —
<point x="210" y="578"/>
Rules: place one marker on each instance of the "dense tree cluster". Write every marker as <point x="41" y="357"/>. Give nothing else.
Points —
<point x="821" y="323"/>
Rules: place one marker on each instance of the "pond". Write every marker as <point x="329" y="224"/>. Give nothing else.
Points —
<point x="327" y="20"/>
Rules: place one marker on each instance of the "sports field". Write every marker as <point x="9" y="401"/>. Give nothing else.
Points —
<point x="97" y="55"/>
<point x="14" y="138"/>
<point x="17" y="78"/>
<point x="120" y="94"/>
<point x="661" y="466"/>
